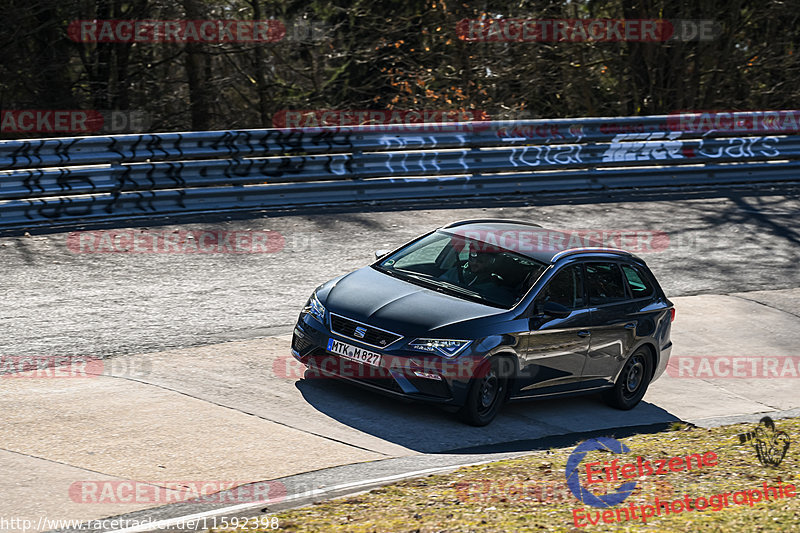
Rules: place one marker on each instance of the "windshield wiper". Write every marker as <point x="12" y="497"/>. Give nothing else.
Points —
<point x="387" y="271"/>
<point x="444" y="286"/>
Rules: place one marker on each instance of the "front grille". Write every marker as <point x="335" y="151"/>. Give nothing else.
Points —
<point x="373" y="336"/>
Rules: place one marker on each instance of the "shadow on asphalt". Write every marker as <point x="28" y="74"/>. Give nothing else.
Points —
<point x="520" y="426"/>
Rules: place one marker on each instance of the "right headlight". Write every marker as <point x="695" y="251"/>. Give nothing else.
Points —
<point x="445" y="347"/>
<point x="315" y="308"/>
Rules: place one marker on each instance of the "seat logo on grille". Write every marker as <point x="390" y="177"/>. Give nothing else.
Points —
<point x="360" y="332"/>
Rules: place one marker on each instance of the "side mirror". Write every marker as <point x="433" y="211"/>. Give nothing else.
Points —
<point x="555" y="310"/>
<point x="381" y="253"/>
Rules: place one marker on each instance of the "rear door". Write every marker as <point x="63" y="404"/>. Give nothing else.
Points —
<point x="615" y="316"/>
<point x="556" y="348"/>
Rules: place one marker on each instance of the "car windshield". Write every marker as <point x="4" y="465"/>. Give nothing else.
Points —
<point x="464" y="267"/>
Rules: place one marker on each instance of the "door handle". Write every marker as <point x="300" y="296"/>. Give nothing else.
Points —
<point x="630" y="325"/>
<point x="584" y="333"/>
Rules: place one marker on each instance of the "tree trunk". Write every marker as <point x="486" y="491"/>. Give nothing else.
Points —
<point x="197" y="67"/>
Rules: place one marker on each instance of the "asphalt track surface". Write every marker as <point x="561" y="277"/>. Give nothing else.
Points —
<point x="57" y="302"/>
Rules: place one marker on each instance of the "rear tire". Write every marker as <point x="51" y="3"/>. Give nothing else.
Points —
<point x="632" y="382"/>
<point x="487" y="392"/>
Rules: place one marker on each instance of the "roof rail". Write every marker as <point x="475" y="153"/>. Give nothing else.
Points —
<point x="573" y="251"/>
<point x="482" y="220"/>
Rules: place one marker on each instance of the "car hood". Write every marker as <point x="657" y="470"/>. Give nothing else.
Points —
<point x="375" y="298"/>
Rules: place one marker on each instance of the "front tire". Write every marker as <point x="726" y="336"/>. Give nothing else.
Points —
<point x="632" y="382"/>
<point x="487" y="393"/>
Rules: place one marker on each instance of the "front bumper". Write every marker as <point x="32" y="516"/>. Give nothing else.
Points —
<point x="401" y="373"/>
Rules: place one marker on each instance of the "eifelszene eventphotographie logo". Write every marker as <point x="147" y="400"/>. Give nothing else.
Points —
<point x="771" y="446"/>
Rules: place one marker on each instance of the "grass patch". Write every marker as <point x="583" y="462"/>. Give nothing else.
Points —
<point x="530" y="493"/>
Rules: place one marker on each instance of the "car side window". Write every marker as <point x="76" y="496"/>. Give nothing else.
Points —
<point x="565" y="288"/>
<point x="637" y="282"/>
<point x="605" y="283"/>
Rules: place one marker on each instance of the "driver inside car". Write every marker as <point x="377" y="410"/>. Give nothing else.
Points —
<point x="478" y="273"/>
<point x="479" y="268"/>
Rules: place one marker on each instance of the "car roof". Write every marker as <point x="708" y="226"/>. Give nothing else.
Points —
<point x="531" y="240"/>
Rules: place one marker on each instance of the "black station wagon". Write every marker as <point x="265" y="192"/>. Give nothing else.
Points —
<point x="484" y="311"/>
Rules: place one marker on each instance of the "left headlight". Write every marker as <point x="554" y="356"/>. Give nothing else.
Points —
<point x="315" y="308"/>
<point x="446" y="347"/>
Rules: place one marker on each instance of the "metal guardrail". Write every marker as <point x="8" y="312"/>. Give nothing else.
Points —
<point x="47" y="181"/>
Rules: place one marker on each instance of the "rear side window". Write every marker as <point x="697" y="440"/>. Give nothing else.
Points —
<point x="605" y="283"/>
<point x="637" y="281"/>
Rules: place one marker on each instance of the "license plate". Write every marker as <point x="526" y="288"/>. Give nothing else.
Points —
<point x="354" y="353"/>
